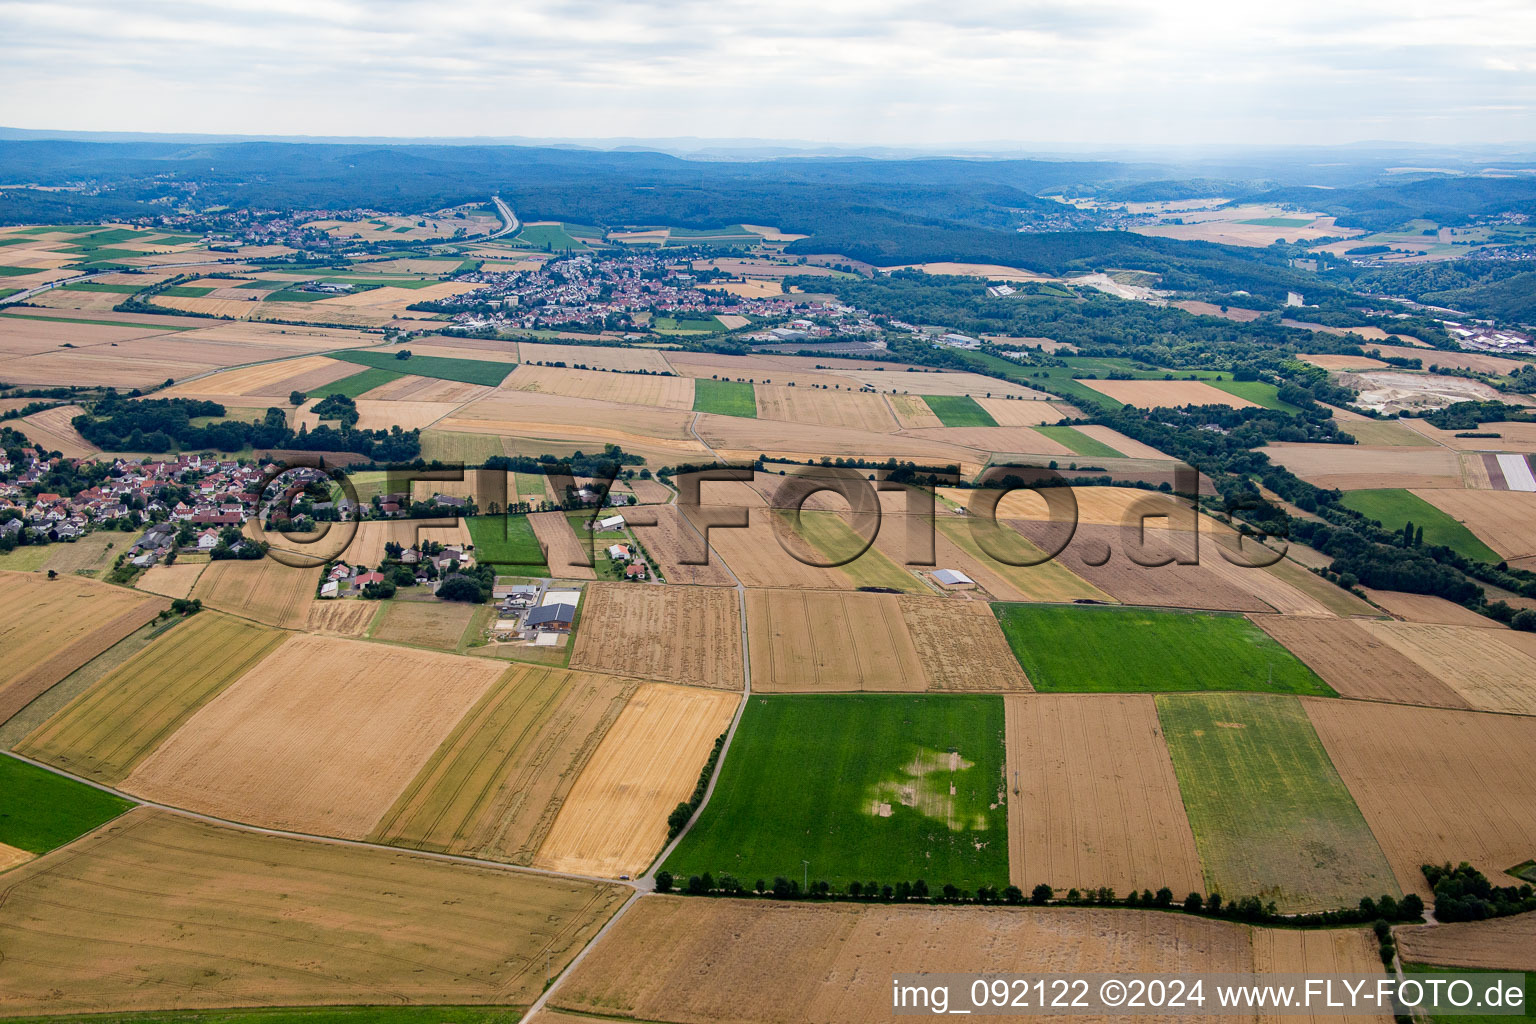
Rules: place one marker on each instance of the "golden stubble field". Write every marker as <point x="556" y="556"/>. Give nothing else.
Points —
<point x="49" y="628"/>
<point x="1092" y="797"/>
<point x="1465" y="776"/>
<point x="1357" y="663"/>
<point x="1485" y="672"/>
<point x="653" y="390"/>
<point x="320" y="737"/>
<point x="262" y="589"/>
<point x="157" y="911"/>
<point x="614" y="821"/>
<point x="680" y="634"/>
<point x="1152" y="394"/>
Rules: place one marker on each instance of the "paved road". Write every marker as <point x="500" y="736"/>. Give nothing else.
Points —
<point x="508" y="218"/>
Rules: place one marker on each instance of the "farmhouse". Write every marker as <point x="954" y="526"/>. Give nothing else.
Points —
<point x="551" y="616"/>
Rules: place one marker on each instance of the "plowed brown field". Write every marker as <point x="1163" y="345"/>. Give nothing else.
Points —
<point x="1358" y="664"/>
<point x="1436" y="785"/>
<point x="1092" y="799"/>
<point x="680" y="634"/>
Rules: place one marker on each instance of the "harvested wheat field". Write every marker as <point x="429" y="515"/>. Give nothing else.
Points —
<point x="673" y="539"/>
<point x="831" y="963"/>
<point x="1009" y="441"/>
<point x="1129" y="447"/>
<point x="1436" y="785"/>
<point x="928" y="382"/>
<point x="1233" y="313"/>
<point x="681" y="634"/>
<point x="273" y="380"/>
<point x="1504" y="520"/>
<point x="555" y="417"/>
<point x="1333" y="362"/>
<point x="1357" y="663"/>
<point x="1356" y="467"/>
<point x="428" y="623"/>
<point x="203" y="915"/>
<point x="1012" y="412"/>
<point x="412" y="388"/>
<point x="52" y="431"/>
<point x="825" y="642"/>
<point x="614" y="821"/>
<point x="1316" y="952"/>
<point x="107" y="731"/>
<point x="321" y="737"/>
<point x="595" y="357"/>
<point x="1513" y="436"/>
<point x="961" y="646"/>
<point x="263" y="589"/>
<point x="1487" y="674"/>
<point x="340" y="618"/>
<point x="624" y="388"/>
<point x="1427" y="608"/>
<point x="49" y="628"/>
<point x="956" y="548"/>
<point x="859" y="410"/>
<point x="735" y="437"/>
<point x="11" y="857"/>
<point x="911" y="411"/>
<point x="1161" y="394"/>
<point x="1093" y="799"/>
<point x="367" y="545"/>
<point x="564" y="552"/>
<point x="170" y="580"/>
<point x="1507" y="944"/>
<point x="494" y="787"/>
<point x="755" y="557"/>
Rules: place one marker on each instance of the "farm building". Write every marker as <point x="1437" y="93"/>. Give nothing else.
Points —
<point x="618" y="552"/>
<point x="551" y="616"/>
<point x="611" y="523"/>
<point x="953" y="578"/>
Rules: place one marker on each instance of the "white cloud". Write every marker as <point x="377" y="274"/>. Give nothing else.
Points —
<point x="899" y="72"/>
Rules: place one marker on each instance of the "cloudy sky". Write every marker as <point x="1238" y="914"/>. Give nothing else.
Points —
<point x="902" y="72"/>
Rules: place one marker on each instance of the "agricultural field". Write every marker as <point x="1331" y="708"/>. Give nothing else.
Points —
<point x="52" y="431"/>
<point x="1082" y="649"/>
<point x="1078" y="443"/>
<point x="1092" y="796"/>
<point x="907" y="786"/>
<point x="654" y="390"/>
<point x="961" y="646"/>
<point x="107" y="731"/>
<point x="593" y="357"/>
<point x="171" y="581"/>
<point x="837" y="410"/>
<point x="1358" y="467"/>
<point x="1501" y="520"/>
<point x="341" y="618"/>
<point x="1484" y="672"/>
<point x="956" y="547"/>
<point x="423" y="623"/>
<point x="508" y="541"/>
<point x="1465" y="774"/>
<point x="356" y="385"/>
<point x="41" y="811"/>
<point x="567" y="553"/>
<point x="263" y="589"/>
<point x="1154" y="394"/>
<point x="1508" y="944"/>
<point x="673" y="539"/>
<point x="830" y="539"/>
<point x="49" y="628"/>
<point x="1358" y="664"/>
<point x="184" y="936"/>
<point x="1011" y="412"/>
<point x="1395" y="507"/>
<point x="467" y="371"/>
<point x="959" y="411"/>
<point x="677" y="634"/>
<point x="834" y="961"/>
<point x="614" y="819"/>
<point x="724" y="397"/>
<point x="495" y="786"/>
<point x="1271" y="816"/>
<point x="320" y="737"/>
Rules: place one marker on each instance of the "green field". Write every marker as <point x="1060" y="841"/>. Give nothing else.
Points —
<point x="1256" y="391"/>
<point x="40" y="811"/>
<point x="18" y="271"/>
<point x="1079" y="442"/>
<point x="357" y="384"/>
<point x="507" y="541"/>
<point x="806" y="775"/>
<point x="1270" y="814"/>
<point x="99" y="323"/>
<point x="725" y="397"/>
<point x="1393" y="507"/>
<point x="297" y="1015"/>
<point x="552" y="237"/>
<point x="959" y="411"/>
<point x="836" y="540"/>
<point x="1099" y="649"/>
<point x="1478" y="1018"/>
<point x="97" y="286"/>
<point x="469" y="371"/>
<point x="186" y="291"/>
<point x="686" y="325"/>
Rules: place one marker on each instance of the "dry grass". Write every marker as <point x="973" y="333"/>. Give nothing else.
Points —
<point x="321" y="737"/>
<point x="170" y="580"/>
<point x="494" y="787"/>
<point x="681" y="634"/>
<point x="1357" y="663"/>
<point x="1436" y="785"/>
<point x="832" y="963"/>
<point x="429" y="623"/>
<point x="262" y="589"/>
<point x="1092" y="799"/>
<point x="1487" y="674"/>
<point x="156" y="911"/>
<point x="615" y="819"/>
<point x="107" y="731"/>
<point x="49" y="628"/>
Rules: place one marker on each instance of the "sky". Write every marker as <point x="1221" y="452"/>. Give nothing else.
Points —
<point x="920" y="73"/>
